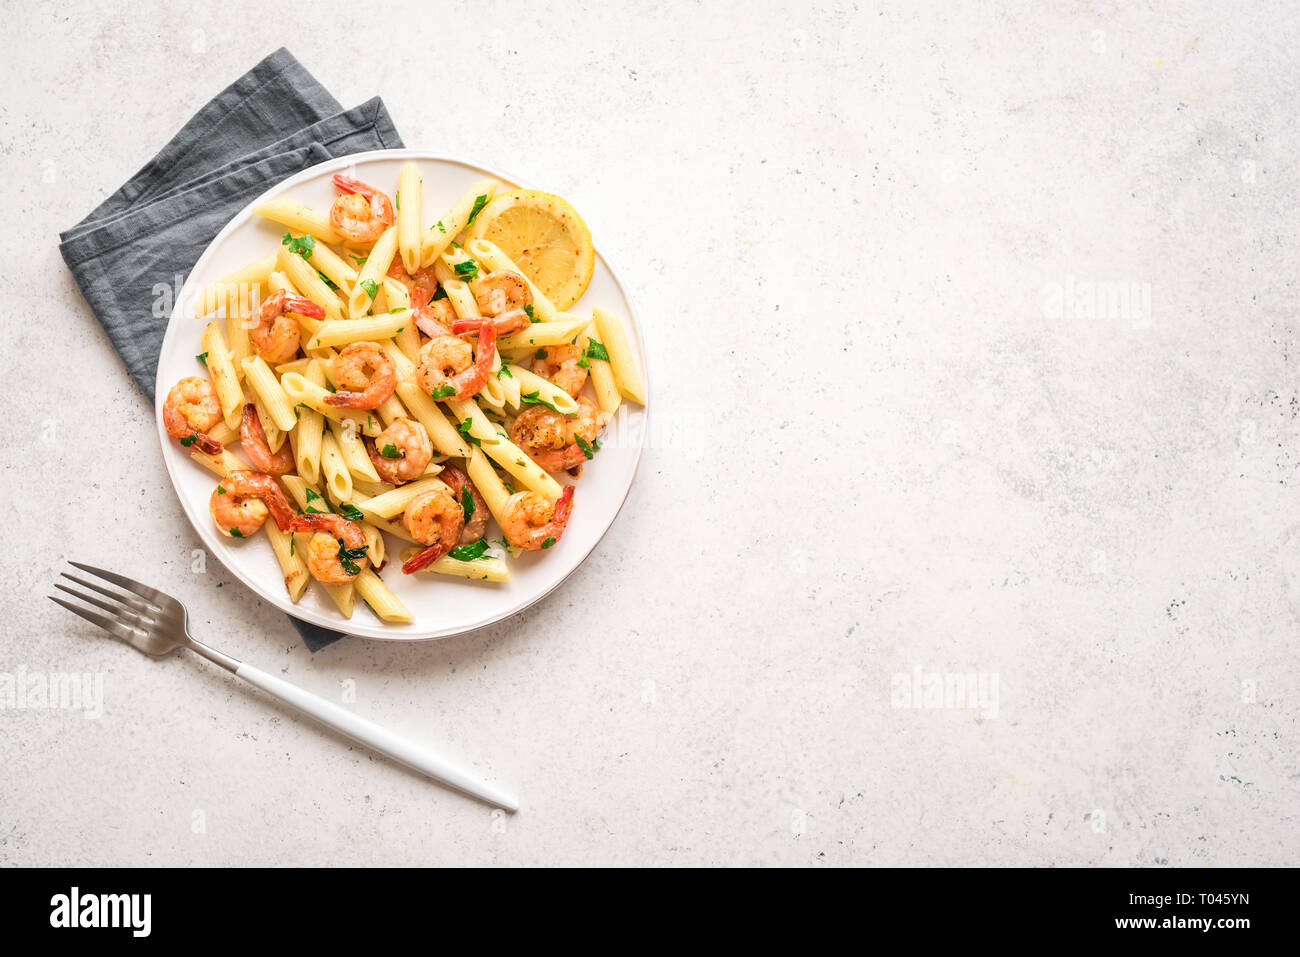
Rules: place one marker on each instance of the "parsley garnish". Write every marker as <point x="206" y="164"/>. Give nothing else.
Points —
<point x="438" y="293"/>
<point x="471" y="552"/>
<point x="352" y="513"/>
<point x="348" y="556"/>
<point x="441" y="227"/>
<point x="585" y="446"/>
<point x="467" y="503"/>
<point x="528" y="311"/>
<point x="190" y="439"/>
<point x="359" y="260"/>
<point x="371" y="287"/>
<point x="534" y="398"/>
<point x="596" y="350"/>
<point x="479" y="202"/>
<point x="390" y="451"/>
<point x="311" y="509"/>
<point x="236" y="533"/>
<point x="326" y="280"/>
<point x="468" y="270"/>
<point x="398" y="197"/>
<point x="541" y="354"/>
<point x="443" y="392"/>
<point x="548" y="543"/>
<point x="464" y="427"/>
<point x="502" y="542"/>
<point x="202" y="357"/>
<point x="303" y="245"/>
<point x="505" y="370"/>
<point x="220" y="490"/>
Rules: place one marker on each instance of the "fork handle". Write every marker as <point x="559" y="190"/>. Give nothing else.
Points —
<point x="365" y="731"/>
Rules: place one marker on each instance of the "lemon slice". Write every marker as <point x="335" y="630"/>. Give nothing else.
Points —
<point x="545" y="237"/>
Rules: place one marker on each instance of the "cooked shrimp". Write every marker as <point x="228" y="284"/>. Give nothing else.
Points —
<point x="560" y="365"/>
<point x="435" y="318"/>
<point x="253" y="439"/>
<point x="411" y="451"/>
<point x="499" y="292"/>
<point x="242" y="500"/>
<point x="449" y="361"/>
<point x="363" y="366"/>
<point x="277" y="335"/>
<point x="477" y="519"/>
<point x="362" y="213"/>
<point x="190" y="410"/>
<point x="336" y="554"/>
<point x="435" y="519"/>
<point x="531" y="521"/>
<point x="506" y="323"/>
<point x="551" y="439"/>
<point x="421" y="286"/>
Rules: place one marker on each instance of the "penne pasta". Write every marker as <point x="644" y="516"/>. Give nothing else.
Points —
<point x="380" y="599"/>
<point x="599" y="372"/>
<point x="308" y="283"/>
<point x="622" y="359"/>
<point x="555" y="333"/>
<point x="438" y="237"/>
<point x="224" y="378"/>
<point x="502" y="451"/>
<point x="334" y="469"/>
<point x="393" y="503"/>
<point x="373" y="273"/>
<point x="302" y="391"/>
<point x="409" y="240"/>
<point x="299" y="218"/>
<point x="366" y="329"/>
<point x="263" y="383"/>
<point x="353" y="450"/>
<point x="542" y="391"/>
<point x="296" y="576"/>
<point x="235" y="293"/>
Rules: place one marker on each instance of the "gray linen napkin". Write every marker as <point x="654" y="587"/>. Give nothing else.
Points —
<point x="272" y="122"/>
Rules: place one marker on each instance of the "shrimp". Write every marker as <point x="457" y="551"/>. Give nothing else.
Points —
<point x="435" y="318"/>
<point x="446" y="361"/>
<point x="506" y="323"/>
<point x="253" y="439"/>
<point x="477" y="519"/>
<point x="363" y="366"/>
<point x="190" y="410"/>
<point x="276" y="335"/>
<point x="242" y="500"/>
<point x="411" y="447"/>
<point x="421" y="286"/>
<point x="362" y="213"/>
<point x="336" y="554"/>
<point x="499" y="292"/>
<point x="551" y="439"/>
<point x="560" y="365"/>
<point x="531" y="521"/>
<point x="435" y="519"/>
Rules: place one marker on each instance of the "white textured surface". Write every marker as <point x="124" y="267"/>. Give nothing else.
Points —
<point x="875" y="451"/>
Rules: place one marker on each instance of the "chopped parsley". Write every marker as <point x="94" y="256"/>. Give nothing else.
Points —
<point x="533" y="398"/>
<point x="596" y="350"/>
<point x="548" y="543"/>
<point x="303" y="245"/>
<point x="300" y="405"/>
<point x="583" y="444"/>
<point x="202" y="357"/>
<point x="464" y="429"/>
<point x="438" y="293"/>
<point x="236" y="533"/>
<point x="190" y="439"/>
<point x="505" y="370"/>
<point x="502" y="542"/>
<point x="398" y="197"/>
<point x="469" y="553"/>
<point x="468" y="270"/>
<point x="467" y="503"/>
<point x="528" y="311"/>
<point x="479" y="202"/>
<point x="313" y="496"/>
<point x="359" y="260"/>
<point x="390" y="451"/>
<point x="440" y="226"/>
<point x="326" y="280"/>
<point x="351" y="513"/>
<point x="348" y="557"/>
<point x="220" y="490"/>
<point x="371" y="287"/>
<point x="443" y="392"/>
<point x="541" y="354"/>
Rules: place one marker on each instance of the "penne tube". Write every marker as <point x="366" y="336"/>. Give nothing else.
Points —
<point x="394" y="503"/>
<point x="363" y="489"/>
<point x="370" y="280"/>
<point x="502" y="451"/>
<point x="409" y="240"/>
<point x="237" y="325"/>
<point x="556" y="333"/>
<point x="366" y="329"/>
<point x="439" y="236"/>
<point x="224" y="378"/>
<point x="334" y="469"/>
<point x="307" y="281"/>
<point x="299" y="218"/>
<point x="380" y="599"/>
<point x="263" y="383"/>
<point x="296" y="576"/>
<point x="222" y="464"/>
<point x="622" y="359"/>
<point x="232" y="293"/>
<point x="275" y="436"/>
<point x="482" y="569"/>
<point x="608" y="398"/>
<point x="543" y="391"/>
<point x="353" y="450"/>
<point x="332" y="266"/>
<point x="310" y="500"/>
<point x="223" y="433"/>
<point x="302" y="391"/>
<point x="491" y="259"/>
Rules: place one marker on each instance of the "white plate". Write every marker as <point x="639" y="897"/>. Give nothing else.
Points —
<point x="442" y="605"/>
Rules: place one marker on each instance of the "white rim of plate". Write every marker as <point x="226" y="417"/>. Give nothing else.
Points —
<point x="183" y="298"/>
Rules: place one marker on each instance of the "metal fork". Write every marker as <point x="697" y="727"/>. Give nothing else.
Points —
<point x="156" y="623"/>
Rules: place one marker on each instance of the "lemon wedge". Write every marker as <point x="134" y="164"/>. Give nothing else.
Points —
<point x="545" y="237"/>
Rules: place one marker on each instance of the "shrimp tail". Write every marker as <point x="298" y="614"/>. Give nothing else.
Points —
<point x="313" y="523"/>
<point x="472" y="379"/>
<point x="429" y="326"/>
<point x="424" y="558"/>
<point x="207" y="444"/>
<point x="563" y="508"/>
<point x="279" y="508"/>
<point x="304" y="307"/>
<point x="349" y="185"/>
<point x="503" y="324"/>
<point x="349" y="400"/>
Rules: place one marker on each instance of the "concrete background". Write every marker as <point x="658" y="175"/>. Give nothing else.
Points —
<point x="895" y="440"/>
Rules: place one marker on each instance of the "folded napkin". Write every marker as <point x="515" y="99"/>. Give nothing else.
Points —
<point x="274" y="121"/>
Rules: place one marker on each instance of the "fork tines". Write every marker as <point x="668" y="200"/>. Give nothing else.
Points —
<point x="129" y="615"/>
